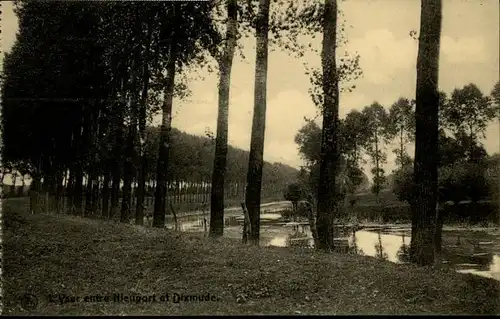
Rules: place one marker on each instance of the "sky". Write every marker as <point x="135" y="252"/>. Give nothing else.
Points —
<point x="379" y="31"/>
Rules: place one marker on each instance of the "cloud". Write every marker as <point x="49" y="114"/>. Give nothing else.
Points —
<point x="463" y="50"/>
<point x="383" y="56"/>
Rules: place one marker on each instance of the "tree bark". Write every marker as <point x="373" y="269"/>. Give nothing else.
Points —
<point x="438" y="233"/>
<point x="130" y="150"/>
<point x="59" y="191"/>
<point x="255" y="161"/>
<point x="14" y="179"/>
<point x="377" y="172"/>
<point x="88" y="195"/>
<point x="401" y="150"/>
<point x="141" y="187"/>
<point x="35" y="189"/>
<point x="141" y="179"/>
<point x="129" y="169"/>
<point x="498" y="174"/>
<point x="105" y="196"/>
<point x="327" y="205"/>
<point x="95" y="196"/>
<point x="116" y="161"/>
<point x="70" y="190"/>
<point x="77" y="190"/>
<point x="164" y="147"/>
<point x="426" y="143"/>
<point x="220" y="159"/>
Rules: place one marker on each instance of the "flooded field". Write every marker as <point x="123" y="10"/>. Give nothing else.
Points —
<point x="388" y="242"/>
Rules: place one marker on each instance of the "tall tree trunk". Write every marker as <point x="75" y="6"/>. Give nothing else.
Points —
<point x="86" y="156"/>
<point x="164" y="147"/>
<point x="129" y="171"/>
<point x="20" y="191"/>
<point x="327" y="192"/>
<point x="77" y="191"/>
<point x="95" y="196"/>
<point x="402" y="149"/>
<point x="256" y="157"/>
<point x="220" y="159"/>
<point x="49" y="188"/>
<point x="498" y="173"/>
<point x="70" y="190"/>
<point x="116" y="157"/>
<point x="35" y="188"/>
<point x="377" y="172"/>
<point x="59" y="191"/>
<point x="141" y="178"/>
<point x="115" y="192"/>
<point x="130" y="155"/>
<point x="75" y="206"/>
<point x="88" y="194"/>
<point x="14" y="179"/>
<point x="105" y="196"/>
<point x="426" y="143"/>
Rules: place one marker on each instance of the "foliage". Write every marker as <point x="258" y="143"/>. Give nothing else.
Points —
<point x="192" y="158"/>
<point x="379" y="133"/>
<point x="355" y="136"/>
<point x="495" y="94"/>
<point x="402" y="125"/>
<point x="308" y="139"/>
<point x="492" y="172"/>
<point x="471" y="181"/>
<point x="403" y="186"/>
<point x="294" y="193"/>
<point x="468" y="111"/>
<point x="458" y="182"/>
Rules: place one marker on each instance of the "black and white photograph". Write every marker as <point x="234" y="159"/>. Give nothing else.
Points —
<point x="250" y="157"/>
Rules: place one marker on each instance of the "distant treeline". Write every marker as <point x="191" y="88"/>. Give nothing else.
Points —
<point x="190" y="170"/>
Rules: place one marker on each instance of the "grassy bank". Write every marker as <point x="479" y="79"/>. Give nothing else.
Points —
<point x="48" y="255"/>
<point x="180" y="208"/>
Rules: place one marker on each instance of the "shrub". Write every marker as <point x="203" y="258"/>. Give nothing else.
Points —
<point x="287" y="214"/>
<point x="294" y="192"/>
<point x="384" y="213"/>
<point x="465" y="212"/>
<point x="470" y="212"/>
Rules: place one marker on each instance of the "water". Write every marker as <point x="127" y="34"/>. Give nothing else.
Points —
<point x="390" y="243"/>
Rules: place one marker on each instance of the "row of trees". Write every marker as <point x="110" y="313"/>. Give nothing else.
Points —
<point x="464" y="116"/>
<point x="466" y="113"/>
<point x="83" y="80"/>
<point x="190" y="161"/>
<point x="81" y="83"/>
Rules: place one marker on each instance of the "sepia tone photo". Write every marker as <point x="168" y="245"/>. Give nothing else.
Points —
<point x="250" y="157"/>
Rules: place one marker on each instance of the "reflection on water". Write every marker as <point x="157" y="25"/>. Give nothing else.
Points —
<point x="379" y="245"/>
<point x="379" y="248"/>
<point x="390" y="244"/>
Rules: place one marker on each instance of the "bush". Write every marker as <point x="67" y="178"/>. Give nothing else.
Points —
<point x="294" y="192"/>
<point x="457" y="182"/>
<point x="403" y="183"/>
<point x="465" y="212"/>
<point x="470" y="212"/>
<point x="384" y="213"/>
<point x="287" y="214"/>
